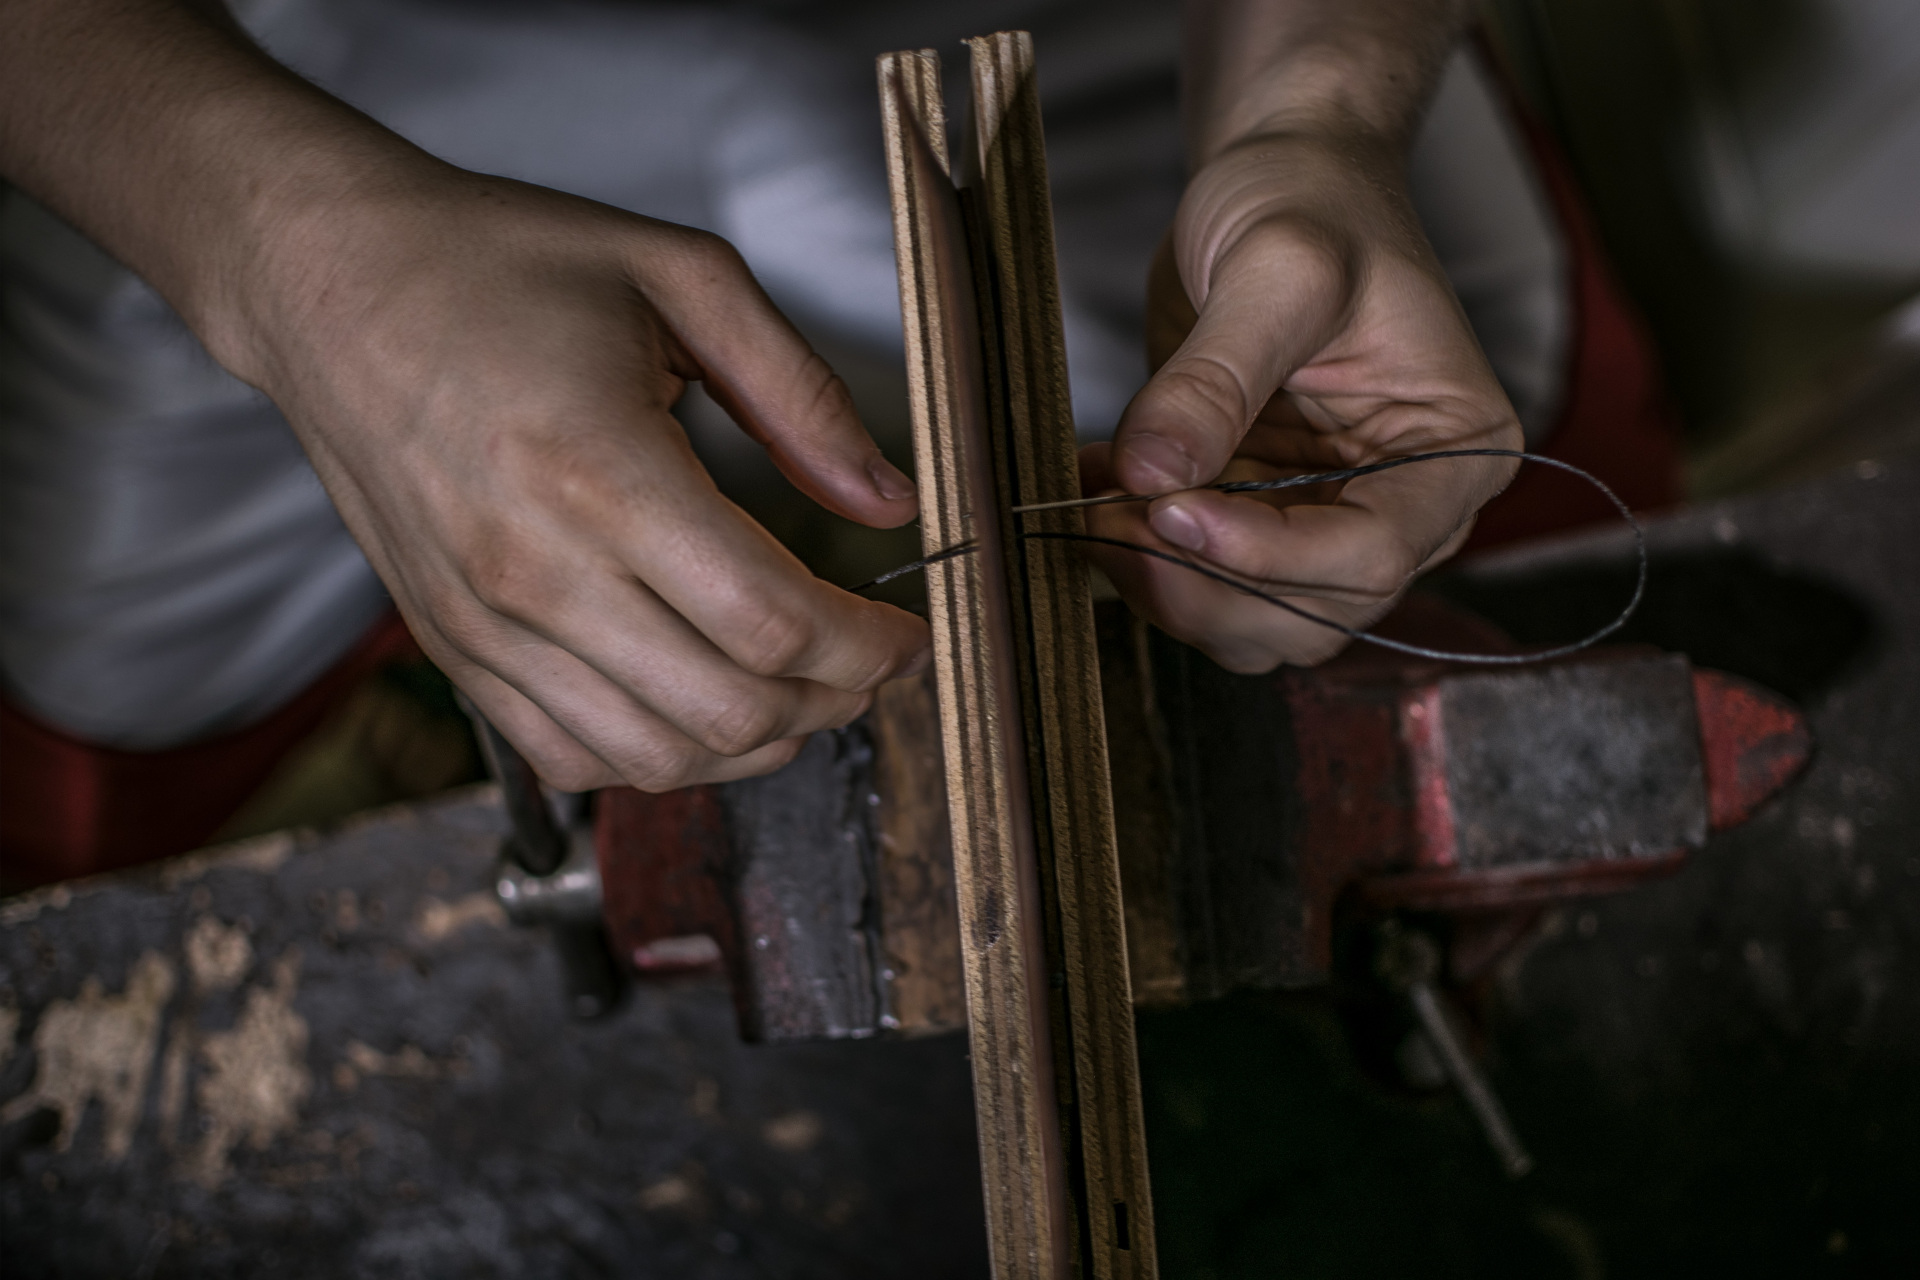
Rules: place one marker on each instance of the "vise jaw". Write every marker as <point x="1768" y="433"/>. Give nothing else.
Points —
<point x="1249" y="810"/>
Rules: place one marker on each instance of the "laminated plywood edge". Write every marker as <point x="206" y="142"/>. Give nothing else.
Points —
<point x="996" y="881"/>
<point x="1032" y="428"/>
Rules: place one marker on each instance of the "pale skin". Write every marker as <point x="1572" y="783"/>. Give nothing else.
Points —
<point x="482" y="373"/>
<point x="1299" y="322"/>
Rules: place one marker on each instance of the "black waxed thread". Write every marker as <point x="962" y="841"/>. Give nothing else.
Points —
<point x="1325" y="477"/>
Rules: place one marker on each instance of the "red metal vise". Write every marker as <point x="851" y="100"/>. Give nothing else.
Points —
<point x="1250" y="809"/>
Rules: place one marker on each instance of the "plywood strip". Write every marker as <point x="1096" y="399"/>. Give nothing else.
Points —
<point x="1004" y="181"/>
<point x="922" y="990"/>
<point x="996" y="879"/>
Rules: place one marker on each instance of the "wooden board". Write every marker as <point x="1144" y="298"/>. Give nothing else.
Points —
<point x="995" y="879"/>
<point x="921" y="988"/>
<point x="1036" y="458"/>
<point x="1036" y="870"/>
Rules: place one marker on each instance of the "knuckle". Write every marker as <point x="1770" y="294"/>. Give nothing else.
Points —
<point x="509" y="583"/>
<point x="868" y="677"/>
<point x="778" y="643"/>
<point x="573" y="478"/>
<point x="709" y="254"/>
<point x="1312" y="254"/>
<point x="786" y="752"/>
<point x="658" y="767"/>
<point x="865" y="664"/>
<point x="783" y="755"/>
<point x="459" y="624"/>
<point x="1386" y="574"/>
<point x="739" y="725"/>
<point x="1378" y="581"/>
<point x="570" y="774"/>
<point x="1257" y="653"/>
<point x="1247" y="646"/>
<point x="1200" y="386"/>
<point x="582" y="473"/>
<point x="821" y="393"/>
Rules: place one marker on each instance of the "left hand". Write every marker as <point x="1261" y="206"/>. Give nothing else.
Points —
<point x="1298" y="321"/>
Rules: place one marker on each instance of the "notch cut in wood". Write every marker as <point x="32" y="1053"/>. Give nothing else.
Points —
<point x="1036" y="868"/>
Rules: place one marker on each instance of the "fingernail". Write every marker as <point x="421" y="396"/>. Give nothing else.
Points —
<point x="1161" y="462"/>
<point x="888" y="480"/>
<point x="918" y="663"/>
<point x="1178" y="526"/>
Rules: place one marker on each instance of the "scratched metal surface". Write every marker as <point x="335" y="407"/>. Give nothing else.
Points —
<point x="803" y="870"/>
<point x="1573" y="762"/>
<point x="329" y="1057"/>
<point x="1724" y="1066"/>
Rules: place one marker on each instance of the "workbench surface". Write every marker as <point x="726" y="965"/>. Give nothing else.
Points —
<point x="327" y="1055"/>
<point x="360" y="1069"/>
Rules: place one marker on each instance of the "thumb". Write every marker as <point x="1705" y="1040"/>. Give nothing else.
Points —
<point x="1269" y="302"/>
<point x="1170" y="313"/>
<point x="769" y="379"/>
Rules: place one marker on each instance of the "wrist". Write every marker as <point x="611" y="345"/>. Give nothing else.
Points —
<point x="1308" y="104"/>
<point x="161" y="132"/>
<point x="1340" y="68"/>
<point x="284" y="234"/>
<point x="1341" y="190"/>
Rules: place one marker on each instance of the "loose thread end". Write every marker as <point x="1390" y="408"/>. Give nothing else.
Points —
<point x="1350" y="473"/>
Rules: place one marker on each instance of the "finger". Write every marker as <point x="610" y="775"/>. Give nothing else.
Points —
<point x="580" y="736"/>
<point x="1276" y="451"/>
<point x="555" y="754"/>
<point x="1268" y="452"/>
<point x="1276" y="297"/>
<point x="1365" y="546"/>
<point x="1335" y="551"/>
<point x="660" y="518"/>
<point x="1170" y="313"/>
<point x="1238" y="632"/>
<point x="626" y="633"/>
<point x="758" y="604"/>
<point x="759" y="368"/>
<point x="1096" y="469"/>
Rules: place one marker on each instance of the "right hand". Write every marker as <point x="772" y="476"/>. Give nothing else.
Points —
<point x="482" y="372"/>
<point x="1298" y="321"/>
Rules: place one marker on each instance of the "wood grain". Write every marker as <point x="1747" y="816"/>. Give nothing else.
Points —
<point x="1031" y="427"/>
<point x="922" y="990"/>
<point x="1139" y="762"/>
<point x="997" y="883"/>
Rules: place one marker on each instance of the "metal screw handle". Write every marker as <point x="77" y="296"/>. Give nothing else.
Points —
<point x="1409" y="959"/>
<point x="1466" y="1076"/>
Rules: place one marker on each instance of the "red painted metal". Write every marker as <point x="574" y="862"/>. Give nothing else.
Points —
<point x="1351" y="786"/>
<point x="1369" y="788"/>
<point x="663" y="875"/>
<point x="1377" y="816"/>
<point x="1519" y="884"/>
<point x="1426" y="742"/>
<point x="1753" y="742"/>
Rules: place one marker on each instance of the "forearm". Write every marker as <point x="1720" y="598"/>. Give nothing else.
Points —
<point x="1255" y="67"/>
<point x="157" y="127"/>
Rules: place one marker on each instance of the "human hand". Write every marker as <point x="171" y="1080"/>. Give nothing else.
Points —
<point x="482" y="373"/>
<point x="1325" y="336"/>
